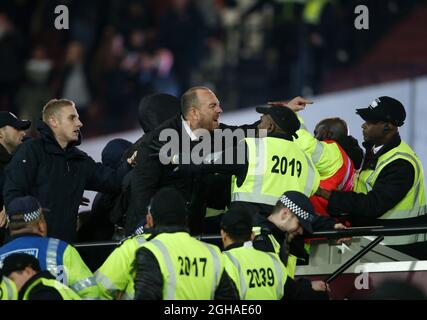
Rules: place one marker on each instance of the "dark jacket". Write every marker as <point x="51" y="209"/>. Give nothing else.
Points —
<point x="40" y="291"/>
<point x="4" y="160"/>
<point x="149" y="175"/>
<point x="391" y="186"/>
<point x="149" y="279"/>
<point x="57" y="178"/>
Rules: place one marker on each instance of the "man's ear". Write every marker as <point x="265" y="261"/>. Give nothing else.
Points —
<point x="52" y="121"/>
<point x="149" y="219"/>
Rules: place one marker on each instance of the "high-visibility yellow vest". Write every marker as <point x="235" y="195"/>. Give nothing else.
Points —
<point x="8" y="289"/>
<point x="326" y="157"/>
<point x="274" y="166"/>
<point x="291" y="263"/>
<point x="412" y="205"/>
<point x="313" y="11"/>
<point x="257" y="275"/>
<point x="116" y="276"/>
<point x="65" y="292"/>
<point x="191" y="269"/>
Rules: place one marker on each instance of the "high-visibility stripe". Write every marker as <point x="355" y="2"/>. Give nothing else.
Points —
<point x="243" y="288"/>
<point x="102" y="279"/>
<point x="347" y="173"/>
<point x="279" y="273"/>
<point x="317" y="152"/>
<point x="310" y="178"/>
<point x="217" y="268"/>
<point x="83" y="284"/>
<point x="51" y="259"/>
<point x="171" y="285"/>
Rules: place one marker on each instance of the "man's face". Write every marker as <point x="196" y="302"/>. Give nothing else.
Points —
<point x="289" y="223"/>
<point x="208" y="110"/>
<point x="373" y="132"/>
<point x="69" y="124"/>
<point x="12" y="137"/>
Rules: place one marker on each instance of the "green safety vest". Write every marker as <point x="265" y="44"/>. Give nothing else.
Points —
<point x="116" y="276"/>
<point x="8" y="289"/>
<point x="257" y="275"/>
<point x="65" y="292"/>
<point x="313" y="11"/>
<point x="326" y="157"/>
<point x="412" y="205"/>
<point x="291" y="264"/>
<point x="275" y="166"/>
<point x="191" y="269"/>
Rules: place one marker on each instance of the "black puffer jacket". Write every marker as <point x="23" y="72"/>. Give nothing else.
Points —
<point x="57" y="178"/>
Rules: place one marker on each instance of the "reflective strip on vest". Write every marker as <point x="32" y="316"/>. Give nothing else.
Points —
<point x="83" y="284"/>
<point x="277" y="265"/>
<point x="217" y="268"/>
<point x="171" y="285"/>
<point x="102" y="279"/>
<point x="347" y="173"/>
<point x="140" y="240"/>
<point x="243" y="288"/>
<point x="259" y="174"/>
<point x="51" y="258"/>
<point x="9" y="289"/>
<point x="310" y="178"/>
<point x="400" y="214"/>
<point x="317" y="152"/>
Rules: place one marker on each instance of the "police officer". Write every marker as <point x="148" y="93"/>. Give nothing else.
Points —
<point x="29" y="235"/>
<point x="334" y="152"/>
<point x="257" y="275"/>
<point x="116" y="276"/>
<point x="292" y="215"/>
<point x="174" y="266"/>
<point x="389" y="190"/>
<point x="32" y="283"/>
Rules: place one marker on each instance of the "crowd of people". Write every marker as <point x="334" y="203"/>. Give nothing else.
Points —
<point x="262" y="192"/>
<point x="117" y="52"/>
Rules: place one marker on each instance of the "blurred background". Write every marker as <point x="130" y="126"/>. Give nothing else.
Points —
<point x="247" y="51"/>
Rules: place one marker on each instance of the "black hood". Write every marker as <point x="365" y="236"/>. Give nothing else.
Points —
<point x="47" y="134"/>
<point x="353" y="150"/>
<point x="156" y="108"/>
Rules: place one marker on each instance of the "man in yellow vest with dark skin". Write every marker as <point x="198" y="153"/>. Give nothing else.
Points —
<point x="31" y="282"/>
<point x="257" y="275"/>
<point x="389" y="190"/>
<point x="172" y="265"/>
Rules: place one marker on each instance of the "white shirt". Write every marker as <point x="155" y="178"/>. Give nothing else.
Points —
<point x="376" y="149"/>
<point x="187" y="128"/>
